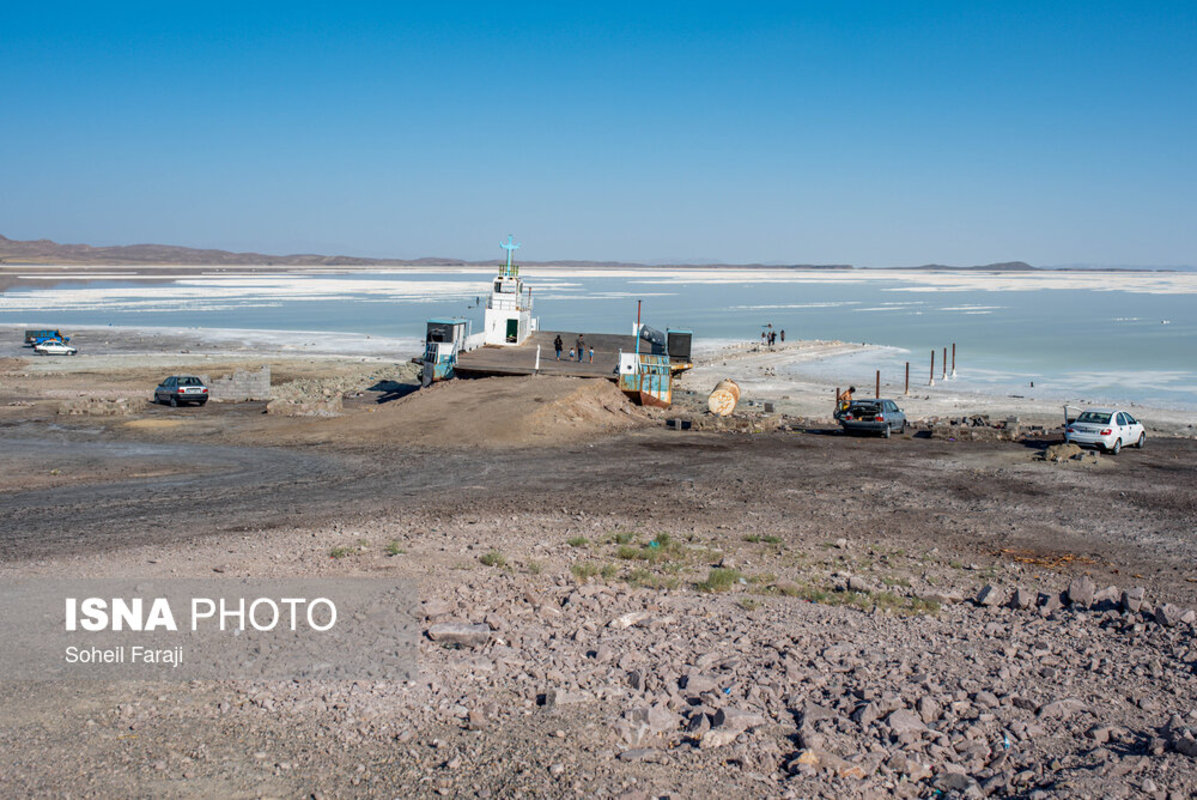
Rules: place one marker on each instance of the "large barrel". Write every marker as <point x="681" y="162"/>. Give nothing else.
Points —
<point x="725" y="397"/>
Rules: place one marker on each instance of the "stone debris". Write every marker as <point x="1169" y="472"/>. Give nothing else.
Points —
<point x="1081" y="591"/>
<point x="99" y="407"/>
<point x="1010" y="695"/>
<point x="1132" y="599"/>
<point x="990" y="596"/>
<point x="628" y="620"/>
<point x="586" y="685"/>
<point x="460" y="634"/>
<point x="1060" y="709"/>
<point x="1022" y="598"/>
<point x="736" y="719"/>
<point x="858" y="584"/>
<point x="903" y="721"/>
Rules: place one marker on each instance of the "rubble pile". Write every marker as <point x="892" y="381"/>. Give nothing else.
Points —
<point x="324" y="397"/>
<point x="99" y="406"/>
<point x="1083" y="693"/>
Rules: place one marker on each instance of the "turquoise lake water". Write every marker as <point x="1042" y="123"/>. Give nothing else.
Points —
<point x="1091" y="343"/>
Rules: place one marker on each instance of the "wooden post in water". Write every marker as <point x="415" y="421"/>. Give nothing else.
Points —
<point x="877" y="391"/>
<point x="932" y="383"/>
<point x="906" y="391"/>
<point x="945" y="364"/>
<point x="953" y="359"/>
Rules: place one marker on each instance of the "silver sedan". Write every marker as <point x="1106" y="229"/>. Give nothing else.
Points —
<point x="1108" y="429"/>
<point x="54" y="349"/>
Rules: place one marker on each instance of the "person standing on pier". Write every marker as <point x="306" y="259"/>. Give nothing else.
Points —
<point x="581" y="348"/>
<point x="591" y="354"/>
<point x="557" y="345"/>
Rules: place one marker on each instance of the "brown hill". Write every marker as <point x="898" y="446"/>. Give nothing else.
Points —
<point x="45" y="251"/>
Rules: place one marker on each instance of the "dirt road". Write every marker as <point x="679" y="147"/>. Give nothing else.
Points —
<point x="1130" y="514"/>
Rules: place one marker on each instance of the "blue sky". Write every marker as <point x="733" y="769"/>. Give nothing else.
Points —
<point x="872" y="133"/>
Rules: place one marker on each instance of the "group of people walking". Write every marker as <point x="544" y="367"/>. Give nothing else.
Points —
<point x="769" y="337"/>
<point x="580" y="350"/>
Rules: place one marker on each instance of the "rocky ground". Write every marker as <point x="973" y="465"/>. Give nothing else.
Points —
<point x="615" y="608"/>
<point x="622" y="682"/>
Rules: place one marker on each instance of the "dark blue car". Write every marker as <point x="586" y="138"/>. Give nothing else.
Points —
<point x="873" y="416"/>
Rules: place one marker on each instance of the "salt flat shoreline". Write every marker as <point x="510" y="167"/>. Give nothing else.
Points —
<point x="227" y="296"/>
<point x="783" y="375"/>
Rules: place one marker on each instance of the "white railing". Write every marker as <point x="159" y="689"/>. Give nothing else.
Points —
<point x="510" y="303"/>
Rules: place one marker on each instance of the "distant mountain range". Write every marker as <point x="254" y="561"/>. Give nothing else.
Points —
<point x="45" y="251"/>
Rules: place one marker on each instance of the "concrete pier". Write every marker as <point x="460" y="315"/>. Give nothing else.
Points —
<point x="521" y="359"/>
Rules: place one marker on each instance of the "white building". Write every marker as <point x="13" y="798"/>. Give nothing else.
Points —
<point x="508" y="319"/>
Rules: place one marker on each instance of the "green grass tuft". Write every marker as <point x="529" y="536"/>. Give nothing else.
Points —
<point x="494" y="559"/>
<point x="719" y="580"/>
<point x="649" y="580"/>
<point x="585" y="570"/>
<point x="626" y="553"/>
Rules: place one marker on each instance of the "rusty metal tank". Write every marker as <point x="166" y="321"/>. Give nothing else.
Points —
<point x="724" y="398"/>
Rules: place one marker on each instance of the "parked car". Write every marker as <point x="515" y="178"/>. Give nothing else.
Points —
<point x="873" y="416"/>
<point x="54" y="348"/>
<point x="1108" y="429"/>
<point x="179" y="389"/>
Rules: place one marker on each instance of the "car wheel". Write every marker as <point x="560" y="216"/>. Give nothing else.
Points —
<point x="174" y="402"/>
<point x="903" y="428"/>
<point x="205" y="400"/>
<point x="1117" y="448"/>
<point x="1142" y="441"/>
<point x="886" y="432"/>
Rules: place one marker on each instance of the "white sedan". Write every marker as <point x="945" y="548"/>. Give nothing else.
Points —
<point x="54" y="349"/>
<point x="1106" y="428"/>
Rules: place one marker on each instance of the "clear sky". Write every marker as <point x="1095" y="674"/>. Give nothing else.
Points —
<point x="873" y="133"/>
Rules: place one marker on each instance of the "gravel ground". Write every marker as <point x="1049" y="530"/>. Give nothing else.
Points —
<point x="624" y="611"/>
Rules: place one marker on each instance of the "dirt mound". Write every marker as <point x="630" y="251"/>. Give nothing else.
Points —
<point x="100" y="407"/>
<point x="319" y="407"/>
<point x="1060" y="453"/>
<point x="511" y="411"/>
